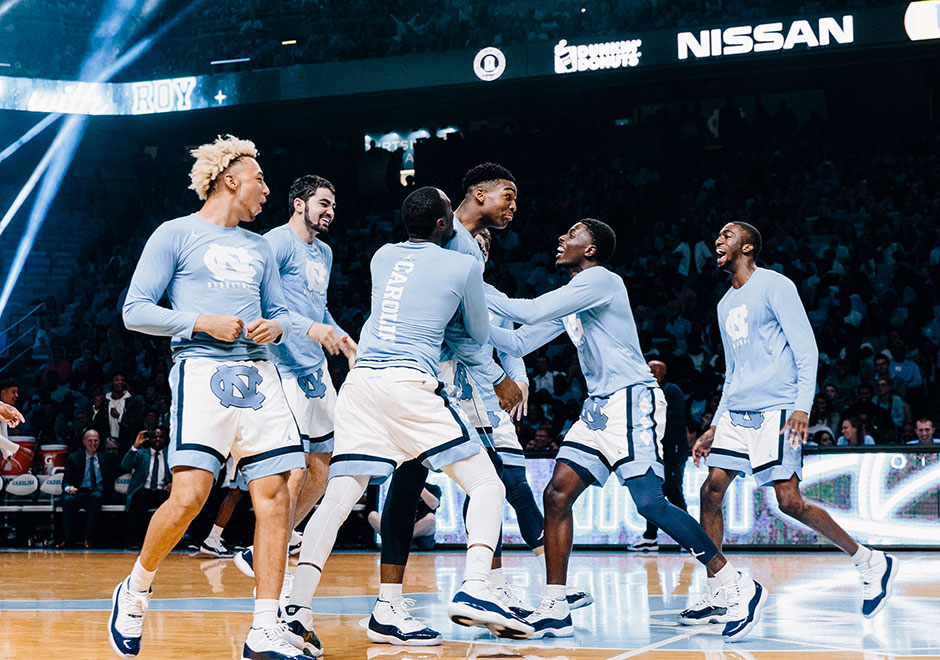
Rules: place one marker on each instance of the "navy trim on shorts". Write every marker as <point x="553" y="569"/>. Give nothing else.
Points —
<point x="510" y="450"/>
<point x="728" y="452"/>
<point x="361" y="457"/>
<point x="456" y="442"/>
<point x="630" y="452"/>
<point x="779" y="459"/>
<point x="652" y="392"/>
<point x="485" y="430"/>
<point x="179" y="422"/>
<point x="592" y="451"/>
<point x="280" y="451"/>
<point x="321" y="438"/>
<point x="439" y="390"/>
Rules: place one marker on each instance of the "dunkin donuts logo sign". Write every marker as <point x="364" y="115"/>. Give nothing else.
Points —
<point x="592" y="57"/>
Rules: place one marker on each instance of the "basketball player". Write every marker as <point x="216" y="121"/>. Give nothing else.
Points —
<point x="762" y="420"/>
<point x="227" y="303"/>
<point x="489" y="201"/>
<point x="304" y="263"/>
<point x="9" y="418"/>
<point x="390" y="410"/>
<point x="621" y="425"/>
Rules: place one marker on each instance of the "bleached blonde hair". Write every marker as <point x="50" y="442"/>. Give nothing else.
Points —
<point x="213" y="159"/>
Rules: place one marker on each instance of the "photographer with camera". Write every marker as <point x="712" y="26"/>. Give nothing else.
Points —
<point x="150" y="479"/>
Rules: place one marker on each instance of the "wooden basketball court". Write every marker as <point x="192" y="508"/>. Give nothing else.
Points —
<point x="55" y="604"/>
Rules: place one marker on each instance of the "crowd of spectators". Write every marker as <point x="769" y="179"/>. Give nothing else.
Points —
<point x="330" y="31"/>
<point x="852" y="217"/>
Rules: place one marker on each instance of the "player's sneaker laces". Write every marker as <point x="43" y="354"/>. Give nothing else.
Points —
<point x="392" y="623"/>
<point x="475" y="604"/>
<point x="745" y="598"/>
<point x="510" y="600"/>
<point x="297" y="630"/>
<point x="270" y="644"/>
<point x="214" y="547"/>
<point x="711" y="609"/>
<point x="644" y="545"/>
<point x="877" y="581"/>
<point x="126" y="622"/>
<point x="245" y="561"/>
<point x="551" y="618"/>
<point x="578" y="599"/>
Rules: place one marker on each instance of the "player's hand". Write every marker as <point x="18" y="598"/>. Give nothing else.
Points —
<point x="509" y="394"/>
<point x="703" y="445"/>
<point x="223" y="327"/>
<point x="796" y="430"/>
<point x="264" y="331"/>
<point x="349" y="348"/>
<point x="521" y="409"/>
<point x="140" y="439"/>
<point x="326" y="336"/>
<point x="10" y="415"/>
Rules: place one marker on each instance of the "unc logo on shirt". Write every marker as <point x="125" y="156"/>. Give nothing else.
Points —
<point x="237" y="385"/>
<point x="312" y="385"/>
<point x="747" y="420"/>
<point x="230" y="264"/>
<point x="736" y="323"/>
<point x="464" y="391"/>
<point x="316" y="276"/>
<point x="574" y="328"/>
<point x="593" y="416"/>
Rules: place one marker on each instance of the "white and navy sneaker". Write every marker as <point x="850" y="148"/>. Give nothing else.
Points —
<point x="475" y="604"/>
<point x="392" y="623"/>
<point x="745" y="598"/>
<point x="127" y="618"/>
<point x="298" y="630"/>
<point x="214" y="547"/>
<point x="552" y="618"/>
<point x="711" y="609"/>
<point x="877" y="581"/>
<point x="578" y="599"/>
<point x="270" y="644"/>
<point x="287" y="587"/>
<point x="296" y="541"/>
<point x="510" y="600"/>
<point x="245" y="561"/>
<point x="644" y="545"/>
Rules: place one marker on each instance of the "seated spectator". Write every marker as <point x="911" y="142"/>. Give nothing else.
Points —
<point x="822" y="417"/>
<point x="542" y="440"/>
<point x="926" y="433"/>
<point x="822" y="438"/>
<point x="853" y="433"/>
<point x="845" y="382"/>
<point x="883" y="370"/>
<point x="88" y="480"/>
<point x="902" y="367"/>
<point x="425" y="521"/>
<point x="58" y="364"/>
<point x="899" y="410"/>
<point x="542" y="377"/>
<point x="150" y="479"/>
<point x="875" y="418"/>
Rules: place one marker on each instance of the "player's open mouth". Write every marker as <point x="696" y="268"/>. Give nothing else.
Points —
<point x="721" y="254"/>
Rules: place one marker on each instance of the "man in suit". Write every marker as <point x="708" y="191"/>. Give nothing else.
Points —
<point x="89" y="478"/>
<point x="150" y="478"/>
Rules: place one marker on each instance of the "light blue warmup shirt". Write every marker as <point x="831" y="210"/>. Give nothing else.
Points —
<point x="477" y="359"/>
<point x="594" y="309"/>
<point x="305" y="276"/>
<point x="770" y="351"/>
<point x="205" y="269"/>
<point x="416" y="290"/>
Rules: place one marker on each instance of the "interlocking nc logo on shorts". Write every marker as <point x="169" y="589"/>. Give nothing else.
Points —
<point x="312" y="385"/>
<point x="747" y="420"/>
<point x="593" y="416"/>
<point x="230" y="264"/>
<point x="237" y="385"/>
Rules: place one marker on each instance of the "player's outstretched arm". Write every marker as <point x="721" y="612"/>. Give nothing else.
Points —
<point x="588" y="290"/>
<point x="10" y="415"/>
<point x="521" y="342"/>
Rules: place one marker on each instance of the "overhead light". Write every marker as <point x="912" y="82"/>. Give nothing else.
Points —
<point x="233" y="61"/>
<point x="289" y="42"/>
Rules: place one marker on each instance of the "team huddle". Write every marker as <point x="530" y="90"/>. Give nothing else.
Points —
<point x="249" y="326"/>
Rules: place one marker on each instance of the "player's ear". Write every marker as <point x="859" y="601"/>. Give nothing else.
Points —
<point x="590" y="251"/>
<point x="299" y="205"/>
<point x="747" y="248"/>
<point x="479" y="194"/>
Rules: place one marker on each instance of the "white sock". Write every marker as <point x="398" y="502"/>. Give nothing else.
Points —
<point x="712" y="585"/>
<point x="216" y="533"/>
<point x="541" y="557"/>
<point x="141" y="578"/>
<point x="497" y="579"/>
<point x="390" y="592"/>
<point x="727" y="575"/>
<point x="265" y="613"/>
<point x="479" y="560"/>
<point x="295" y="537"/>
<point x="862" y="555"/>
<point x="557" y="591"/>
